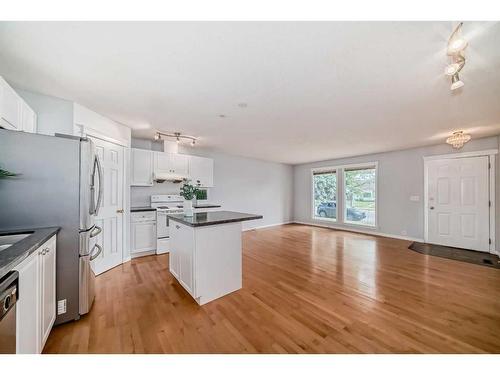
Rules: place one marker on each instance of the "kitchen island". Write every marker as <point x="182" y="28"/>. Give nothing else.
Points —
<point x="205" y="252"/>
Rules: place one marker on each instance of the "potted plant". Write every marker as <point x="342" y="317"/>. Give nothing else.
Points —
<point x="6" y="174"/>
<point x="188" y="192"/>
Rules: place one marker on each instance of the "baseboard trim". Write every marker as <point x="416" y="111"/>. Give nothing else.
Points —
<point x="356" y="230"/>
<point x="268" y="226"/>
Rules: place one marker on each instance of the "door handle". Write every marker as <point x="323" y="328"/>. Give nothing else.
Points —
<point x="120" y="211"/>
<point x="431" y="207"/>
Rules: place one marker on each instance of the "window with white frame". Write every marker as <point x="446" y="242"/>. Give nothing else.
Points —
<point x="360" y="188"/>
<point x="346" y="194"/>
<point x="325" y="194"/>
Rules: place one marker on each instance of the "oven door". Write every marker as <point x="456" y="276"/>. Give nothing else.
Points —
<point x="161" y="224"/>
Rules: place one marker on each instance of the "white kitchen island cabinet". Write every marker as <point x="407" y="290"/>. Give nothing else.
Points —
<point x="205" y="253"/>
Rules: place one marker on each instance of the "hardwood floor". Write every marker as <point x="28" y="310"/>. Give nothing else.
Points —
<point x="305" y="290"/>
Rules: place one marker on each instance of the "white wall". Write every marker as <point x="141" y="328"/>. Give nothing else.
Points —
<point x="54" y="115"/>
<point x="400" y="175"/>
<point x="241" y="184"/>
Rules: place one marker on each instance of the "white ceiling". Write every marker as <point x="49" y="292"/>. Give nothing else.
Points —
<point x="314" y="90"/>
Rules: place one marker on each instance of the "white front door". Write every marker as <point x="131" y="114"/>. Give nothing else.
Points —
<point x="110" y="217"/>
<point x="458" y="202"/>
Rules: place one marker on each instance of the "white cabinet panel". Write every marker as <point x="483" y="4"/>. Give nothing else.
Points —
<point x="162" y="163"/>
<point x="143" y="237"/>
<point x="182" y="249"/>
<point x="142" y="168"/>
<point x="28" y="306"/>
<point x="36" y="308"/>
<point x="48" y="288"/>
<point x="10" y="107"/>
<point x="201" y="171"/>
<point x="179" y="163"/>
<point x="171" y="163"/>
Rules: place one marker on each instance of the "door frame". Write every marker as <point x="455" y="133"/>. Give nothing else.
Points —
<point x="491" y="158"/>
<point x="83" y="131"/>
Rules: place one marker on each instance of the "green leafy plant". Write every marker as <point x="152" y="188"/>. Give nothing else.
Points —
<point x="188" y="191"/>
<point x="6" y="174"/>
<point x="201" y="194"/>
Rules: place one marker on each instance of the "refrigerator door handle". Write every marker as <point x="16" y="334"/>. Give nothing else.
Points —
<point x="99" y="251"/>
<point x="95" y="231"/>
<point x="98" y="168"/>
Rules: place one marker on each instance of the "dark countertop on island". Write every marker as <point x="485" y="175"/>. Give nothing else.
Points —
<point x="141" y="209"/>
<point x="15" y="254"/>
<point x="213" y="218"/>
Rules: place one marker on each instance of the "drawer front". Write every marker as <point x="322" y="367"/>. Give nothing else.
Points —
<point x="143" y="216"/>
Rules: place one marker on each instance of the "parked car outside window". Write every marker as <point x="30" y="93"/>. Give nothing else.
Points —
<point x="329" y="210"/>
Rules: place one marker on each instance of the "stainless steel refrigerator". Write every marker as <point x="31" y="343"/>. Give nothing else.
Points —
<point x="58" y="184"/>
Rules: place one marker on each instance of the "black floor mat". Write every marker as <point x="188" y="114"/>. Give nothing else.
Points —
<point x="469" y="256"/>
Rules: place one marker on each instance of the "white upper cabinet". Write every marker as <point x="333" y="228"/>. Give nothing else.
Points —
<point x="141" y="162"/>
<point x="171" y="163"/>
<point x="180" y="164"/>
<point x="10" y="107"/>
<point x="144" y="164"/>
<point x="15" y="113"/>
<point x="28" y="119"/>
<point x="201" y="171"/>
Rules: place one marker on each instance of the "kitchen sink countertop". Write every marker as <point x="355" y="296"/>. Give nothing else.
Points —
<point x="15" y="254"/>
<point x="213" y="218"/>
<point x="142" y="208"/>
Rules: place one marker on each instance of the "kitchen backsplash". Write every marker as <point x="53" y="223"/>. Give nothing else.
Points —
<point x="140" y="195"/>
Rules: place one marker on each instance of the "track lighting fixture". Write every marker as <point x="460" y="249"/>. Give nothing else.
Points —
<point x="456" y="47"/>
<point x="455" y="82"/>
<point x="178" y="137"/>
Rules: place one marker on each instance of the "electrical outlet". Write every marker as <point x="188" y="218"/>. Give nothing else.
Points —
<point x="61" y="307"/>
<point x="415" y="198"/>
<point x="404" y="232"/>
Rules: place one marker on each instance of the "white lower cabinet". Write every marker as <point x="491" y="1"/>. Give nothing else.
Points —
<point x="36" y="308"/>
<point x="28" y="307"/>
<point x="48" y="287"/>
<point x="143" y="232"/>
<point x="182" y="257"/>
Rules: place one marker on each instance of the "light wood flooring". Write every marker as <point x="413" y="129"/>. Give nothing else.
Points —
<point x="305" y="290"/>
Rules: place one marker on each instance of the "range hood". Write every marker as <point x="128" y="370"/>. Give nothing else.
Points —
<point x="174" y="177"/>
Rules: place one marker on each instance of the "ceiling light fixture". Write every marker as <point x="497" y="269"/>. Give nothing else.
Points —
<point x="456" y="47"/>
<point x="458" y="139"/>
<point x="178" y="137"/>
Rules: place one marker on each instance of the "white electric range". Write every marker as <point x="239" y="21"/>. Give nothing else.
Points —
<point x="165" y="204"/>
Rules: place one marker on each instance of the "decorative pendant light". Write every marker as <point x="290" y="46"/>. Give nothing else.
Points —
<point x="458" y="139"/>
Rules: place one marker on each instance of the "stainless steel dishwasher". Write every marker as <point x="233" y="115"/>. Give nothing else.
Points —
<point x="9" y="293"/>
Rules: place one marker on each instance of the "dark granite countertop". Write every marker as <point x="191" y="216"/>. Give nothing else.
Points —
<point x="143" y="208"/>
<point x="206" y="205"/>
<point x="15" y="254"/>
<point x="213" y="218"/>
